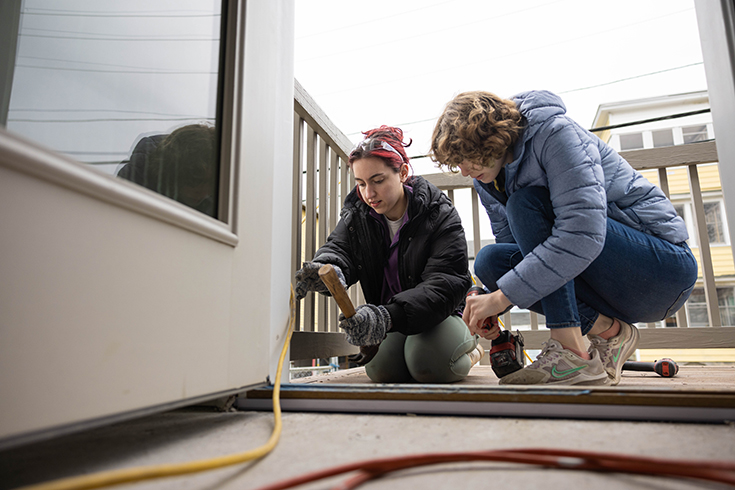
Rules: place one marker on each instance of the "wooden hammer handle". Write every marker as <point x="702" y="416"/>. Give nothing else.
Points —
<point x="330" y="279"/>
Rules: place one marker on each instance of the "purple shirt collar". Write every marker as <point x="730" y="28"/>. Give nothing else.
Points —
<point x="391" y="280"/>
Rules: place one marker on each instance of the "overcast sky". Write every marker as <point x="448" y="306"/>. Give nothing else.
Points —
<point x="399" y="62"/>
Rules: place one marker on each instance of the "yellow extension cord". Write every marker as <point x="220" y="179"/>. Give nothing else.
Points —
<point x="141" y="473"/>
<point x="129" y="475"/>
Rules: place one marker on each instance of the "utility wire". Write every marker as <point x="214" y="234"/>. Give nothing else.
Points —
<point x="654" y="119"/>
<point x="119" y="39"/>
<point x="621" y="125"/>
<point x="90" y="63"/>
<point x="61" y="13"/>
<point x="631" y="78"/>
<point x="386" y="81"/>
<point x="82" y="33"/>
<point x="401" y="125"/>
<point x="123" y="72"/>
<point x="433" y="32"/>
<point x="372" y="21"/>
<point x="108" y="120"/>
<point x="110" y="110"/>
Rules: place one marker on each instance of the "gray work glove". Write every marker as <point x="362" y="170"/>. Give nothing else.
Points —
<point x="307" y="279"/>
<point x="368" y="326"/>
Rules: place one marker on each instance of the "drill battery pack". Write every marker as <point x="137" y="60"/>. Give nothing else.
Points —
<point x="506" y="353"/>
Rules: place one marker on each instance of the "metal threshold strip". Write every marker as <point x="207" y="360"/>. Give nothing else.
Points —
<point x="591" y="403"/>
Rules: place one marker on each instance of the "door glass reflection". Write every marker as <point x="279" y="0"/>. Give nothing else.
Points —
<point x="128" y="88"/>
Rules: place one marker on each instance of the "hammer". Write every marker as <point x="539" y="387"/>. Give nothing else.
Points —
<point x="330" y="279"/>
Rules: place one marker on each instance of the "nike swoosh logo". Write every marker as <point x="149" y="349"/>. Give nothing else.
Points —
<point x="617" y="354"/>
<point x="561" y="374"/>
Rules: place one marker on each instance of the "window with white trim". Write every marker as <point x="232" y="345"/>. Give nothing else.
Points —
<point x="131" y="89"/>
<point x="631" y="141"/>
<point x="714" y="220"/>
<point x="662" y="137"/>
<point x="697" y="307"/>
<point x="694" y="134"/>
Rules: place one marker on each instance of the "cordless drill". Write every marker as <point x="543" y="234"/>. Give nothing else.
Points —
<point x="665" y="367"/>
<point x="506" y="352"/>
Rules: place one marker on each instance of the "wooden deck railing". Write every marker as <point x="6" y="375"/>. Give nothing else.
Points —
<point x="321" y="180"/>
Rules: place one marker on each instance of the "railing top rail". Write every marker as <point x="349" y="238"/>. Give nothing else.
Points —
<point x="650" y="158"/>
<point x="307" y="108"/>
<point x="672" y="156"/>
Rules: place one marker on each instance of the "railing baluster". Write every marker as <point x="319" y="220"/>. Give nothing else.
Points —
<point x="705" y="255"/>
<point x="298" y="151"/>
<point x="356" y="290"/>
<point x="310" y="224"/>
<point x="663" y="180"/>
<point x="333" y="215"/>
<point x="507" y="321"/>
<point x="322" y="222"/>
<point x="476" y="222"/>
<point x="534" y="320"/>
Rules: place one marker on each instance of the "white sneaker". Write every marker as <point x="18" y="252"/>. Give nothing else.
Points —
<point x="476" y="354"/>
<point x="559" y="366"/>
<point x="616" y="350"/>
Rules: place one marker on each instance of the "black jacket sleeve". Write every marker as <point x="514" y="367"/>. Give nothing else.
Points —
<point x="337" y="251"/>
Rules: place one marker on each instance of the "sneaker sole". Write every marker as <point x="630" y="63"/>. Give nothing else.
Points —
<point x="597" y="381"/>
<point x="601" y="380"/>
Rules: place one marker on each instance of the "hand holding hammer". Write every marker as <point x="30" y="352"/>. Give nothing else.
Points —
<point x="339" y="293"/>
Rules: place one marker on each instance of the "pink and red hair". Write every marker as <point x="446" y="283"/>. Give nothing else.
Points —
<point x="387" y="134"/>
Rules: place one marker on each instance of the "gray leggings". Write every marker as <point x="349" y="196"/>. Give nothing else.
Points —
<point x="438" y="355"/>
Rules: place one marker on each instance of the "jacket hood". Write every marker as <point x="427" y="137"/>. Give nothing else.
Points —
<point x="537" y="107"/>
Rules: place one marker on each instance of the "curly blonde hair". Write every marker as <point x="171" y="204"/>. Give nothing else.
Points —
<point x="477" y="127"/>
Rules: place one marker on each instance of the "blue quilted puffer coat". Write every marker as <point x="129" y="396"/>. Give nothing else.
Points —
<point x="588" y="182"/>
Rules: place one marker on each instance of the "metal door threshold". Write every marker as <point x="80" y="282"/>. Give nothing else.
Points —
<point x="585" y="403"/>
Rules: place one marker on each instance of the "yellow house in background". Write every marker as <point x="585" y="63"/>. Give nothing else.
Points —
<point x="691" y="123"/>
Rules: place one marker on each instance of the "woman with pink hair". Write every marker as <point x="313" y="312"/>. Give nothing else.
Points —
<point x="403" y="240"/>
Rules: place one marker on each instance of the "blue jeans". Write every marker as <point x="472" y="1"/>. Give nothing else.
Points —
<point x="636" y="278"/>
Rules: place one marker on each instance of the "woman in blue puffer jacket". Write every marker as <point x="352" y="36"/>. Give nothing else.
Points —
<point x="581" y="236"/>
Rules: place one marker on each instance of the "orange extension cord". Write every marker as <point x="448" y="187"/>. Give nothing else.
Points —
<point x="717" y="471"/>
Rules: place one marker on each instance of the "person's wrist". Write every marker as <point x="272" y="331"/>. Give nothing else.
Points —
<point x="505" y="303"/>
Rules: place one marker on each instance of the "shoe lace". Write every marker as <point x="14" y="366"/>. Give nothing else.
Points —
<point x="549" y="352"/>
<point x="595" y="340"/>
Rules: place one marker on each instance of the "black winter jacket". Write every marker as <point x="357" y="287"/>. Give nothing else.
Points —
<point x="432" y="257"/>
